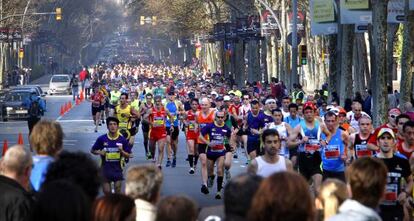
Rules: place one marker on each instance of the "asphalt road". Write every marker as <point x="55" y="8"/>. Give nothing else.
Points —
<point x="79" y="136"/>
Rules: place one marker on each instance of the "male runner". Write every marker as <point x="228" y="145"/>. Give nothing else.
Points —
<point x="358" y="141"/>
<point x="145" y="106"/>
<point x="97" y="100"/>
<point x="191" y="133"/>
<point x="175" y="107"/>
<point x="283" y="130"/>
<point x="217" y="133"/>
<point x="253" y="124"/>
<point x="126" y="116"/>
<point x="156" y="117"/>
<point x="112" y="148"/>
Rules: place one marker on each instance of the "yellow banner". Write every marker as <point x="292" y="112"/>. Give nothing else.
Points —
<point x="323" y="11"/>
<point x="356" y="4"/>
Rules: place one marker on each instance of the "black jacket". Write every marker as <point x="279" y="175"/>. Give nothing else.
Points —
<point x="15" y="201"/>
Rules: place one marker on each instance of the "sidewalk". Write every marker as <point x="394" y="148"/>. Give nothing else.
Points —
<point x="42" y="80"/>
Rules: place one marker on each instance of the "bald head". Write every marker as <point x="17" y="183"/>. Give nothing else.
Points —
<point x="16" y="161"/>
<point x="205" y="104"/>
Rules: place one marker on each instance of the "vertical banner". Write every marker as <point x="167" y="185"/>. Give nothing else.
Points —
<point x="396" y="11"/>
<point x="355" y="12"/>
<point x="323" y="20"/>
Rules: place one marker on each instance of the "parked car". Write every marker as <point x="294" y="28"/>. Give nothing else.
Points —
<point x="59" y="84"/>
<point x="37" y="88"/>
<point x="12" y="107"/>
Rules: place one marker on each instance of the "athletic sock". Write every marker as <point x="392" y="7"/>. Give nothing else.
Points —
<point x="190" y="160"/>
<point x="219" y="183"/>
<point x="195" y="159"/>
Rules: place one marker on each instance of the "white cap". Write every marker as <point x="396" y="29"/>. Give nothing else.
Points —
<point x="226" y="98"/>
<point x="214" y="93"/>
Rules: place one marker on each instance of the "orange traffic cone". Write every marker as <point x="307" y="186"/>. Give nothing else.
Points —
<point x="77" y="101"/>
<point x="70" y="105"/>
<point x="5" y="148"/>
<point x="81" y="96"/>
<point x="20" y="139"/>
<point x="66" y="107"/>
<point x="62" y="110"/>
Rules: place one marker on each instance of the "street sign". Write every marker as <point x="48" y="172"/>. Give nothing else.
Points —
<point x="289" y="39"/>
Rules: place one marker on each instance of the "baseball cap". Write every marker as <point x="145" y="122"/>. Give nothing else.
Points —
<point x="226" y="98"/>
<point x="385" y="130"/>
<point x="214" y="93"/>
<point x="308" y="105"/>
<point x="219" y="98"/>
<point x="394" y="111"/>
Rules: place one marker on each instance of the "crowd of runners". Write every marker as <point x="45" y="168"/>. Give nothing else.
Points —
<point x="277" y="129"/>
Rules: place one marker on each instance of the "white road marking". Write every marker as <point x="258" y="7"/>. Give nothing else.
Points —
<point x="71" y="121"/>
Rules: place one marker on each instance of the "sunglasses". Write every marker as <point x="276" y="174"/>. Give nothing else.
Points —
<point x="220" y="117"/>
<point x="393" y="116"/>
<point x="245" y="98"/>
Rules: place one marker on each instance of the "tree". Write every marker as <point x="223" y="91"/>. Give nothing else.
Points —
<point x="407" y="58"/>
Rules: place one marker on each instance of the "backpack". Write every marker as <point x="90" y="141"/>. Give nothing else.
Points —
<point x="75" y="82"/>
<point x="34" y="109"/>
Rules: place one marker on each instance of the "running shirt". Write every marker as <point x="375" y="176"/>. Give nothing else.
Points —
<point x="192" y="131"/>
<point x="283" y="133"/>
<point x="331" y="153"/>
<point x="123" y="115"/>
<point x="402" y="151"/>
<point x="112" y="161"/>
<point x="158" y="118"/>
<point x="203" y="121"/>
<point x="97" y="99"/>
<point x="360" y="147"/>
<point x="115" y="95"/>
<point x="267" y="119"/>
<point x="313" y="134"/>
<point x="135" y="104"/>
<point x="293" y="122"/>
<point x="265" y="169"/>
<point x="218" y="136"/>
<point x="234" y="108"/>
<point x="243" y="112"/>
<point x="173" y="109"/>
<point x="254" y="122"/>
<point x="398" y="169"/>
<point x="373" y="138"/>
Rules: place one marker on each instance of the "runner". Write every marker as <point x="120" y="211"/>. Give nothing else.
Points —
<point x="157" y="116"/>
<point x="293" y="120"/>
<point x="114" y="99"/>
<point x="126" y="116"/>
<point x="334" y="153"/>
<point x="309" y="159"/>
<point x="392" y="124"/>
<point x="204" y="117"/>
<point x="283" y="130"/>
<point x="191" y="134"/>
<point x="272" y="161"/>
<point x="358" y="141"/>
<point x="244" y="111"/>
<point x="217" y="133"/>
<point x="97" y="100"/>
<point x="396" y="195"/>
<point x="406" y="146"/>
<point x="113" y="149"/>
<point x="175" y="107"/>
<point x="252" y="125"/>
<point x="145" y="106"/>
<point x="230" y="144"/>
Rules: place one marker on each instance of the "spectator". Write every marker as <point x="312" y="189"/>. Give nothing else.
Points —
<point x="332" y="194"/>
<point x="46" y="140"/>
<point x="83" y="75"/>
<point x="114" y="207"/>
<point x="15" y="169"/>
<point x="36" y="107"/>
<point x="74" y="83"/>
<point x="366" y="178"/>
<point x="143" y="184"/>
<point x="78" y="168"/>
<point x="177" y="208"/>
<point x="273" y="200"/>
<point x="366" y="107"/>
<point x="392" y="99"/>
<point x="61" y="200"/>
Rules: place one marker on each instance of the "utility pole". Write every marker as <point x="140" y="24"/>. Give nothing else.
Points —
<point x="294" y="75"/>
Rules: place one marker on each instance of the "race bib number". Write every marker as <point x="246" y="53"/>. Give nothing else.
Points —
<point x="96" y="103"/>
<point x="159" y="122"/>
<point x="312" y="146"/>
<point x="218" y="146"/>
<point x="332" y="152"/>
<point x="391" y="194"/>
<point x="191" y="126"/>
<point x="113" y="156"/>
<point x="361" y="150"/>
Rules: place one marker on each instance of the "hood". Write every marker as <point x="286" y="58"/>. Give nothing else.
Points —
<point x="353" y="210"/>
<point x="60" y="84"/>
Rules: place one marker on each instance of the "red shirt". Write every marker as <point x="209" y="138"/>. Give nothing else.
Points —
<point x="97" y="99"/>
<point x="402" y="151"/>
<point x="82" y="75"/>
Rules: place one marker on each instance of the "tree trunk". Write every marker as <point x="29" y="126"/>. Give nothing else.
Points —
<point x="346" y="63"/>
<point x="239" y="63"/>
<point x="391" y="32"/>
<point x="379" y="37"/>
<point x="333" y="68"/>
<point x="407" y="58"/>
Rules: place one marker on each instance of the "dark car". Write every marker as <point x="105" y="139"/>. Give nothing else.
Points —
<point x="37" y="88"/>
<point x="12" y="106"/>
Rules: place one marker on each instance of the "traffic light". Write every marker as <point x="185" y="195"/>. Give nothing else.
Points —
<point x="58" y="14"/>
<point x="154" y="20"/>
<point x="303" y="59"/>
<point x="142" y="20"/>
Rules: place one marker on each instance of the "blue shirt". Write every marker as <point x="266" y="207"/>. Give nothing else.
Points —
<point x="313" y="143"/>
<point x="219" y="135"/>
<point x="257" y="123"/>
<point x="293" y="122"/>
<point x="40" y="164"/>
<point x="28" y="102"/>
<point x="331" y="153"/>
<point x="173" y="109"/>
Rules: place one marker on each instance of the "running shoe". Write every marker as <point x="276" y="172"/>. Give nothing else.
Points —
<point x="96" y="130"/>
<point x="168" y="163"/>
<point x="228" y="174"/>
<point x="191" y="171"/>
<point x="235" y="155"/>
<point x="210" y="182"/>
<point x="149" y="156"/>
<point x="160" y="167"/>
<point x="204" y="189"/>
<point x="174" y="162"/>
<point x="218" y="195"/>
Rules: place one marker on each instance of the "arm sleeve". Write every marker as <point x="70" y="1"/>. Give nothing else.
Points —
<point x="97" y="145"/>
